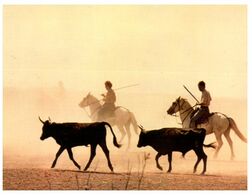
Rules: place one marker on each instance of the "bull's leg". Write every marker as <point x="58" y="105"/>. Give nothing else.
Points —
<point x="158" y="165"/>
<point x="201" y="155"/>
<point x="92" y="155"/>
<point x="61" y="149"/>
<point x="170" y="161"/>
<point x="196" y="164"/>
<point x="70" y="154"/>
<point x="205" y="163"/>
<point x="106" y="151"/>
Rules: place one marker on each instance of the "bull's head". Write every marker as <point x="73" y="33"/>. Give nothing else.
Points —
<point x="45" y="129"/>
<point x="141" y="141"/>
<point x="175" y="107"/>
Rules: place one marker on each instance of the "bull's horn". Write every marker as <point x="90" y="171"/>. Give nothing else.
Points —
<point x="49" y="119"/>
<point x="41" y="120"/>
<point x="142" y="129"/>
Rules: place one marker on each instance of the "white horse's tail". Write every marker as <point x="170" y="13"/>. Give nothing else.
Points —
<point x="236" y="130"/>
<point x="133" y="122"/>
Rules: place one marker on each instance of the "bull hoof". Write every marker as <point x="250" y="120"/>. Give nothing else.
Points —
<point x="203" y="173"/>
<point x="160" y="168"/>
<point x="169" y="171"/>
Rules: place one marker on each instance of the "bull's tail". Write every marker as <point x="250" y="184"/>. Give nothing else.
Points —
<point x="212" y="145"/>
<point x="236" y="130"/>
<point x="114" y="137"/>
<point x="134" y="122"/>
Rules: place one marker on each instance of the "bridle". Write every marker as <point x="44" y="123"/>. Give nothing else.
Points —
<point x="181" y="106"/>
<point x="91" y="114"/>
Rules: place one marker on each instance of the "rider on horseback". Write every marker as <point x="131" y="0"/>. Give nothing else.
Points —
<point x="203" y="112"/>
<point x="109" y="99"/>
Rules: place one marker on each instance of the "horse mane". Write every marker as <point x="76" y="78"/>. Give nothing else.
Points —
<point x="186" y="101"/>
<point x="93" y="99"/>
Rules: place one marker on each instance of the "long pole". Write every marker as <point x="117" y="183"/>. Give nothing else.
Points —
<point x="127" y="86"/>
<point x="116" y="90"/>
<point x="190" y="93"/>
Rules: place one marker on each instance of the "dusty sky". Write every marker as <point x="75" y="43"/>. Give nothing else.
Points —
<point x="159" y="47"/>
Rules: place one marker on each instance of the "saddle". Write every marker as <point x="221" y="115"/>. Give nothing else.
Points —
<point x="204" y="118"/>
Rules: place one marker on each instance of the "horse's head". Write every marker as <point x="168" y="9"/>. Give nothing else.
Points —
<point x="89" y="100"/>
<point x="176" y="106"/>
<point x="85" y="101"/>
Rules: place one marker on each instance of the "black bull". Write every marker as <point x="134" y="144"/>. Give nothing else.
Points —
<point x="69" y="135"/>
<point x="167" y="140"/>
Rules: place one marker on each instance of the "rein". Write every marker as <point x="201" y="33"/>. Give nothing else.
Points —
<point x="191" y="108"/>
<point x="91" y="114"/>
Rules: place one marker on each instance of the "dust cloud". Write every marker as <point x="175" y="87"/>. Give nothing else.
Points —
<point x="22" y="128"/>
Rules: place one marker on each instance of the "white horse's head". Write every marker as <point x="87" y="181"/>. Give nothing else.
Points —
<point x="178" y="105"/>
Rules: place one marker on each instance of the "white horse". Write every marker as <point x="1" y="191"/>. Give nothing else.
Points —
<point x="218" y="123"/>
<point x="122" y="119"/>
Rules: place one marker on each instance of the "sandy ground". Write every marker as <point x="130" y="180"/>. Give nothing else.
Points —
<point x="131" y="172"/>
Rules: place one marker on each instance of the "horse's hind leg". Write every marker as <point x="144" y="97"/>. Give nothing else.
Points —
<point x="70" y="153"/>
<point x="220" y="143"/>
<point x="230" y="142"/>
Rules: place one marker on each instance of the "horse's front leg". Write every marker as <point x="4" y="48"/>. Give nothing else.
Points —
<point x="122" y="131"/>
<point x="127" y="127"/>
<point x="220" y="143"/>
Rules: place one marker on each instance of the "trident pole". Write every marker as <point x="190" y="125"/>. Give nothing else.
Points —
<point x="191" y="93"/>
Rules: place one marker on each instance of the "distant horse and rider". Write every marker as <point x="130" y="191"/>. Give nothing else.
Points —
<point x="216" y="122"/>
<point x="114" y="115"/>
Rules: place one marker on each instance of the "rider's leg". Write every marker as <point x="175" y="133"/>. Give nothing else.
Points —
<point x="195" y="118"/>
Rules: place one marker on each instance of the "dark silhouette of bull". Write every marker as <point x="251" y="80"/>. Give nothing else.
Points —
<point x="167" y="140"/>
<point x="69" y="135"/>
